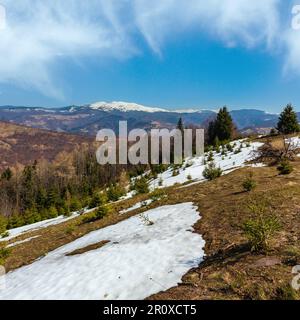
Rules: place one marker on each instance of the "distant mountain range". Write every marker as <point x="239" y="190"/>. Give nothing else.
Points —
<point x="88" y="119"/>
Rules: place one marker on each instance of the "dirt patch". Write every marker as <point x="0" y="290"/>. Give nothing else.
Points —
<point x="267" y="262"/>
<point x="88" y="248"/>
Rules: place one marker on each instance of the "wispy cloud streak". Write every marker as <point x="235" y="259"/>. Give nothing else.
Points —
<point x="41" y="34"/>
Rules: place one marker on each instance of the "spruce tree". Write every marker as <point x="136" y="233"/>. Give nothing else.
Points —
<point x="288" y="121"/>
<point x="222" y="128"/>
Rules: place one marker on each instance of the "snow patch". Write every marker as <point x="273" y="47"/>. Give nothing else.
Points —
<point x="294" y="142"/>
<point x="228" y="163"/>
<point x="124" y="107"/>
<point x="138" y="261"/>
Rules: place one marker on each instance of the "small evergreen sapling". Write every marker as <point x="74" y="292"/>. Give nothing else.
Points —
<point x="212" y="172"/>
<point x="189" y="177"/>
<point x="261" y="227"/>
<point x="210" y="156"/>
<point x="141" y="185"/>
<point x="249" y="184"/>
<point x="285" y="167"/>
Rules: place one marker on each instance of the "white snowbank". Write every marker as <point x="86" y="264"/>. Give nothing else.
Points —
<point x="227" y="163"/>
<point x="13" y="233"/>
<point x="138" y="261"/>
<point x="294" y="141"/>
<point x="124" y="107"/>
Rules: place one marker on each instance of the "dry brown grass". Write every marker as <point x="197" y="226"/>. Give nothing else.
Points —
<point x="230" y="270"/>
<point x="91" y="247"/>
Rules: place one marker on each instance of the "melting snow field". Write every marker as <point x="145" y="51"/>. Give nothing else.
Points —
<point x="138" y="261"/>
<point x="227" y="163"/>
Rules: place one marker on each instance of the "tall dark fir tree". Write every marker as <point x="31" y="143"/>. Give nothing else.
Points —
<point x="288" y="121"/>
<point x="222" y="128"/>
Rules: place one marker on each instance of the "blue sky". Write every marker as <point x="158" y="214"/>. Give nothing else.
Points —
<point x="173" y="55"/>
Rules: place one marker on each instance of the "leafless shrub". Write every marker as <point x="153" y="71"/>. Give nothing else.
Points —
<point x="145" y="220"/>
<point x="287" y="149"/>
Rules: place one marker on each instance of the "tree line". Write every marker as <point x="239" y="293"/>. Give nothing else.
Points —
<point x="44" y="190"/>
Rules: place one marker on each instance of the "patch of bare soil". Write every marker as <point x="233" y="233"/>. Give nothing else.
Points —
<point x="91" y="247"/>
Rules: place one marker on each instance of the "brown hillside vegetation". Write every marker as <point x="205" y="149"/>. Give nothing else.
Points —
<point x="20" y="145"/>
<point x="230" y="270"/>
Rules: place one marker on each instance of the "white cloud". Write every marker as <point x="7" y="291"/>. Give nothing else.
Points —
<point x="40" y="34"/>
<point x="233" y="21"/>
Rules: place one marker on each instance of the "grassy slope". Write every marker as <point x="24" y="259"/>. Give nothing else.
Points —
<point x="230" y="270"/>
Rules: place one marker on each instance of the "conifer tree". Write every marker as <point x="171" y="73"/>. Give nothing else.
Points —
<point x="222" y="129"/>
<point x="224" y="126"/>
<point x="288" y="121"/>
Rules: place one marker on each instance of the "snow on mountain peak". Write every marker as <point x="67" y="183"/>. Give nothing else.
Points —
<point x="124" y="107"/>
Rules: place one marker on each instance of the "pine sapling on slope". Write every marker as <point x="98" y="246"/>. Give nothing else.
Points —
<point x="285" y="167"/>
<point x="212" y="172"/>
<point x="175" y="172"/>
<point x="141" y="185"/>
<point x="99" y="214"/>
<point x="160" y="182"/>
<point x="210" y="156"/>
<point x="249" y="183"/>
<point x="261" y="227"/>
<point x="98" y="199"/>
<point x="189" y="177"/>
<point x="157" y="194"/>
<point x="115" y="192"/>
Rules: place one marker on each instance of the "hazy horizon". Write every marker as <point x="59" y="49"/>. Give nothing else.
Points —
<point x="168" y="54"/>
